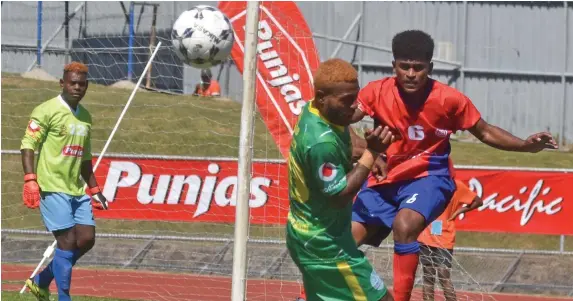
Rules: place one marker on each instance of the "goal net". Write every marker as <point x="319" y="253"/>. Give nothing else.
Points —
<point x="170" y="172"/>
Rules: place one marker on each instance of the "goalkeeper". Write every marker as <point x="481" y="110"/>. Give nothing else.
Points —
<point x="322" y="185"/>
<point x="60" y="130"/>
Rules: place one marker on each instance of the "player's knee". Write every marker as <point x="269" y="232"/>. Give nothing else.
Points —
<point x="85" y="236"/>
<point x="404" y="232"/>
<point x="359" y="232"/>
<point x="66" y="239"/>
<point x="86" y="244"/>
<point x="407" y="226"/>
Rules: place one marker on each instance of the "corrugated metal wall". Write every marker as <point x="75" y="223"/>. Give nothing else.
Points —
<point x="515" y="59"/>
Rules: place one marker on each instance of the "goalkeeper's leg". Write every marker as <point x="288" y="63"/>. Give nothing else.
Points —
<point x="85" y="225"/>
<point x="71" y="221"/>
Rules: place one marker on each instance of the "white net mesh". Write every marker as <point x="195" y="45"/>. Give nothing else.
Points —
<point x="171" y="165"/>
<point x="187" y="201"/>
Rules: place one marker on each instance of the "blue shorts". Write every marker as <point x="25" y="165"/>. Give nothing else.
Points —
<point x="61" y="211"/>
<point x="379" y="205"/>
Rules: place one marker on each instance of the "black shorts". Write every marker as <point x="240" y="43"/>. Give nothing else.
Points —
<point x="436" y="257"/>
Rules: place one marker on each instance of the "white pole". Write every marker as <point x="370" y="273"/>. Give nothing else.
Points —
<point x="239" y="281"/>
<point x="52" y="247"/>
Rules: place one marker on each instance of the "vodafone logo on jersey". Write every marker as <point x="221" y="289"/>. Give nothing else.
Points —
<point x="327" y="172"/>
<point x="287" y="58"/>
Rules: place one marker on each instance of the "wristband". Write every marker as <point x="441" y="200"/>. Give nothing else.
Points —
<point x="368" y="158"/>
<point x="95" y="190"/>
<point x="30" y="177"/>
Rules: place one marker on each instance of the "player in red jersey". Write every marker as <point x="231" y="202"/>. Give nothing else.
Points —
<point x="418" y="184"/>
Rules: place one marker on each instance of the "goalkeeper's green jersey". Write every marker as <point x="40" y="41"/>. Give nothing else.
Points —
<point x="62" y="138"/>
<point x="320" y="158"/>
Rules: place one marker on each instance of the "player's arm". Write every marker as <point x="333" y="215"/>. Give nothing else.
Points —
<point x="366" y="99"/>
<point x="475" y="204"/>
<point x="358" y="115"/>
<point x="33" y="137"/>
<point x="27" y="160"/>
<point x="87" y="172"/>
<point x="467" y="117"/>
<point x="329" y="175"/>
<point x="503" y="140"/>
<point x="358" y="145"/>
<point x="377" y="141"/>
<point x="463" y="195"/>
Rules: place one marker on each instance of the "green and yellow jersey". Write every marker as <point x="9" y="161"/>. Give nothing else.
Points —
<point x="320" y="158"/>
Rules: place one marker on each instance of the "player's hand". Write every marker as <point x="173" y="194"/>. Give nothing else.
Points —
<point x="31" y="192"/>
<point x="379" y="169"/>
<point x="538" y="142"/>
<point x="99" y="202"/>
<point x="453" y="217"/>
<point x="379" y="139"/>
<point x="459" y="212"/>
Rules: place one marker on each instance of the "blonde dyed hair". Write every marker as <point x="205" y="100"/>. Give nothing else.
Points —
<point x="332" y="72"/>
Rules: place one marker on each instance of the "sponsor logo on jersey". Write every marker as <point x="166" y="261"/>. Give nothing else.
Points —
<point x="416" y="132"/>
<point x="73" y="151"/>
<point x="442" y="133"/>
<point x="376" y="281"/>
<point x="327" y="172"/>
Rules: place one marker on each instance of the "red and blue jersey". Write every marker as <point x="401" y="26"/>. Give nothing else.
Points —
<point x="425" y="129"/>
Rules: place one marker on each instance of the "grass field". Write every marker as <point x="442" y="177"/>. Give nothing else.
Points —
<point x="182" y="125"/>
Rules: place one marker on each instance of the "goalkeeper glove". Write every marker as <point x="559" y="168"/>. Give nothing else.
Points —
<point x="98" y="200"/>
<point x="31" y="191"/>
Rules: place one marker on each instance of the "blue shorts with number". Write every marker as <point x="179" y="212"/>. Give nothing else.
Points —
<point x="61" y="211"/>
<point x="379" y="205"/>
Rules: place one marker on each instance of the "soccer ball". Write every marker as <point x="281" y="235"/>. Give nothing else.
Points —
<point x="202" y="36"/>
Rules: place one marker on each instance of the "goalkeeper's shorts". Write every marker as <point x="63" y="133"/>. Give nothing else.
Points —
<point x="62" y="211"/>
<point x="350" y="279"/>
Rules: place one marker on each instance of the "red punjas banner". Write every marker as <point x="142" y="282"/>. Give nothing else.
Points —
<point x="199" y="190"/>
<point x="287" y="58"/>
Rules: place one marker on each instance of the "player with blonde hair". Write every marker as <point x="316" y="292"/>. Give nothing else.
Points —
<point x="60" y="130"/>
<point x="322" y="185"/>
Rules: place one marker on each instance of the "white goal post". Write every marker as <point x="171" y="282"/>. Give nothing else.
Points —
<point x="238" y="290"/>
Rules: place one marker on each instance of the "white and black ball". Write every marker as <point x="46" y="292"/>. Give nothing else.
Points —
<point x="202" y="36"/>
